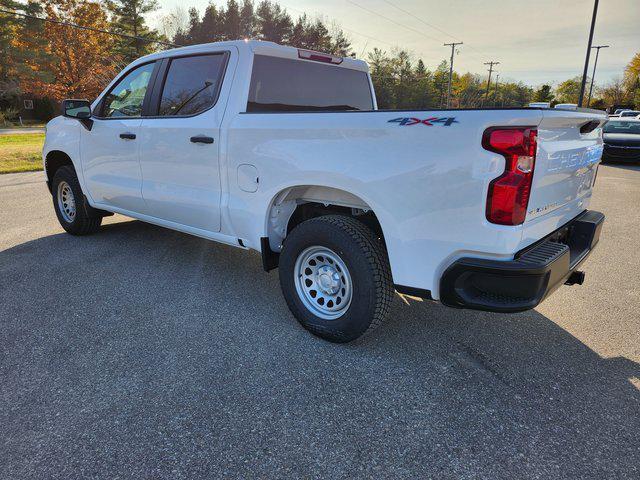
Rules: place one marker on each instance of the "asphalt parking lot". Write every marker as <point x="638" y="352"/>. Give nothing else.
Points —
<point x="144" y="353"/>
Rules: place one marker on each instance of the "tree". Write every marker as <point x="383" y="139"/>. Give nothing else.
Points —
<point x="340" y="44"/>
<point x="441" y="82"/>
<point x="543" y="94"/>
<point x="8" y="27"/>
<point x="72" y="63"/>
<point x="175" y="22"/>
<point x="128" y="19"/>
<point x="274" y="24"/>
<point x="247" y="20"/>
<point x="231" y="19"/>
<point x="632" y="80"/>
<point x="569" y="90"/>
<point x="614" y="92"/>
<point x="212" y="26"/>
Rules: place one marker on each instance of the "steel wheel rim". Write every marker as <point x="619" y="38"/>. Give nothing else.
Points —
<point x="323" y="282"/>
<point x="66" y="202"/>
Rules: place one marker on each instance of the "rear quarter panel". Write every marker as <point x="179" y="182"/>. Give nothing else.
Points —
<point x="426" y="182"/>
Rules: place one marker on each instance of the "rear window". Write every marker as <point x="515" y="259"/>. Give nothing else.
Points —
<point x="621" y="127"/>
<point x="281" y="84"/>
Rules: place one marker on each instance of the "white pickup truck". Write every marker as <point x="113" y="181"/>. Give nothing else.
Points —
<point x="283" y="151"/>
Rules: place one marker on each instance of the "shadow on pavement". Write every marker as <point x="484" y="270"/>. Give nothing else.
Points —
<point x="141" y="351"/>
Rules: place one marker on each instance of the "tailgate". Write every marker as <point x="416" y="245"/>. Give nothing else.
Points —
<point x="566" y="162"/>
<point x="565" y="169"/>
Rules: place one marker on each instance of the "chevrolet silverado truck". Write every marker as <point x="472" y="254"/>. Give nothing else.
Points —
<point x="283" y="151"/>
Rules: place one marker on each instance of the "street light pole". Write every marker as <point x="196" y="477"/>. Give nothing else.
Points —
<point x="495" y="95"/>
<point x="593" y="75"/>
<point x="453" y="47"/>
<point x="586" y="62"/>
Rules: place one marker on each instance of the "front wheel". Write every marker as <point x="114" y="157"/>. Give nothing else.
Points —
<point x="335" y="277"/>
<point x="69" y="203"/>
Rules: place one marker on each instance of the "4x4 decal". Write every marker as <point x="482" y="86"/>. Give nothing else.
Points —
<point x="429" y="122"/>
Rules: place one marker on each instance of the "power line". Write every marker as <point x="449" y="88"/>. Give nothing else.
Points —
<point x="92" y="29"/>
<point x="343" y="28"/>
<point x="429" y="24"/>
<point x="393" y="21"/>
<point x="453" y="47"/>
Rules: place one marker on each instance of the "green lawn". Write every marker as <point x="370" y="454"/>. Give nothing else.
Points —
<point x="21" y="152"/>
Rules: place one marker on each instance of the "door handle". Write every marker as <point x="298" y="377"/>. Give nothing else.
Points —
<point x="128" y="136"/>
<point x="201" y="139"/>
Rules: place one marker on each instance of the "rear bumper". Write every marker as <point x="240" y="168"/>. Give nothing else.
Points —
<point x="522" y="283"/>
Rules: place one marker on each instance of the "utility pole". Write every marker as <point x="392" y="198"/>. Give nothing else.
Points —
<point x="453" y="47"/>
<point x="495" y="95"/>
<point x="586" y="62"/>
<point x="593" y="75"/>
<point x="491" y="64"/>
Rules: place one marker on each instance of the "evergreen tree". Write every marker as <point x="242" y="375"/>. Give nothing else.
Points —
<point x="8" y="27"/>
<point x="274" y="24"/>
<point x="212" y="26"/>
<point x="231" y="20"/>
<point x="127" y="17"/>
<point x="247" y="20"/>
<point x="340" y="44"/>
<point x="543" y="94"/>
<point x="187" y="37"/>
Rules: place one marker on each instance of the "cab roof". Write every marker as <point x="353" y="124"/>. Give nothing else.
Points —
<point x="257" y="47"/>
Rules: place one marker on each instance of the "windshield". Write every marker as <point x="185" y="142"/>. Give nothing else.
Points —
<point x="630" y="113"/>
<point x="622" y="127"/>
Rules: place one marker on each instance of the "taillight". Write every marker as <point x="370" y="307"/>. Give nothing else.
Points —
<point x="319" y="57"/>
<point x="509" y="193"/>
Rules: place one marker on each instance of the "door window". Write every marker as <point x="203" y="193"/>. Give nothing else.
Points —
<point x="127" y="97"/>
<point x="192" y="84"/>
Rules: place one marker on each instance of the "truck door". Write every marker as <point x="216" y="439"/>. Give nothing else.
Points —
<point x="180" y="141"/>
<point x="110" y="150"/>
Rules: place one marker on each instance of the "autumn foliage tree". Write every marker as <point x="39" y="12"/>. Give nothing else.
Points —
<point x="68" y="62"/>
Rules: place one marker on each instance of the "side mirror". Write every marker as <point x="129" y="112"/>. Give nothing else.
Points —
<point x="80" y="109"/>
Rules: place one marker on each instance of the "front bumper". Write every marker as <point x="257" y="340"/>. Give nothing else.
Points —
<point x="621" y="153"/>
<point x="535" y="272"/>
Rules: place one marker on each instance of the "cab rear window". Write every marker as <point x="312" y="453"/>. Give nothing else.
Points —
<point x="282" y="85"/>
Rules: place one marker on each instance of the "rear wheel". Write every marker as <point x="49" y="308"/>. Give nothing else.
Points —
<point x="69" y="204"/>
<point x="335" y="277"/>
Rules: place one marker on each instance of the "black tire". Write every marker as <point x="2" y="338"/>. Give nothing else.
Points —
<point x="82" y="223"/>
<point x="366" y="260"/>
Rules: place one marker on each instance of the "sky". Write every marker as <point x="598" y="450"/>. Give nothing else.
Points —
<point x="535" y="41"/>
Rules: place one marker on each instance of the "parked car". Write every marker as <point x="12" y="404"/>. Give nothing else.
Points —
<point x="566" y="106"/>
<point x="622" y="140"/>
<point x="629" y="113"/>
<point x="283" y="151"/>
<point x="540" y="105"/>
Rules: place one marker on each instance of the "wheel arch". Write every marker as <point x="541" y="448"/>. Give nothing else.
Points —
<point x="55" y="159"/>
<point x="294" y="204"/>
